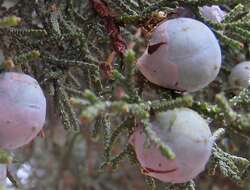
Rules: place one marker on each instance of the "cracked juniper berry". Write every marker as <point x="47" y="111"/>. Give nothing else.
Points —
<point x="182" y="54"/>
<point x="189" y="137"/>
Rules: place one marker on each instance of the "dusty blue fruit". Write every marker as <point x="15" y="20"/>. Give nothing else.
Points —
<point x="22" y="110"/>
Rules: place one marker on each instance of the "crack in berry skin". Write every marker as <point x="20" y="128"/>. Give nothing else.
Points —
<point x="153" y="48"/>
<point x="147" y="170"/>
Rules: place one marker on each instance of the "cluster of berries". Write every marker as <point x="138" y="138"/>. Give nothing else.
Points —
<point x="183" y="54"/>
